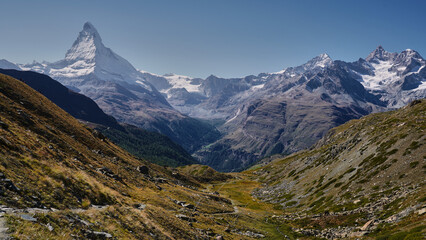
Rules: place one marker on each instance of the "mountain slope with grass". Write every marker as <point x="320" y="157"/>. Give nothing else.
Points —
<point x="369" y="172"/>
<point x="153" y="146"/>
<point x="60" y="179"/>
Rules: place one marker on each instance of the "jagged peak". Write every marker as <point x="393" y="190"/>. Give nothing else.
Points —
<point x="380" y="48"/>
<point x="322" y="60"/>
<point x="323" y="56"/>
<point x="379" y="54"/>
<point x="411" y="53"/>
<point x="212" y="76"/>
<point x="89" y="31"/>
<point x="86" y="45"/>
<point x="88" y="26"/>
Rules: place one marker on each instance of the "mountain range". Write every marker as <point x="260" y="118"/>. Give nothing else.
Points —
<point x="120" y="90"/>
<point x="286" y="111"/>
<point x="61" y="179"/>
<point x="257" y="116"/>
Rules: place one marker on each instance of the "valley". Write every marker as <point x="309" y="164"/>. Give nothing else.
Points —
<point x="212" y="120"/>
<point x="60" y="179"/>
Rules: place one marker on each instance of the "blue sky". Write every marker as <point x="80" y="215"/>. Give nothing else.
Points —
<point x="228" y="38"/>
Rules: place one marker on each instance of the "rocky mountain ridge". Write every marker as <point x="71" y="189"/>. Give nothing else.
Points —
<point x="292" y="109"/>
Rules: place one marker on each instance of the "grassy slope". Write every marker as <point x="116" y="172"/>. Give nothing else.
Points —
<point x="155" y="147"/>
<point x="204" y="174"/>
<point x="377" y="157"/>
<point x="53" y="159"/>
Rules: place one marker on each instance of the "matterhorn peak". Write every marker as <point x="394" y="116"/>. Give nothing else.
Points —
<point x="88" y="26"/>
<point x="89" y="58"/>
<point x="87" y="44"/>
<point x="90" y="30"/>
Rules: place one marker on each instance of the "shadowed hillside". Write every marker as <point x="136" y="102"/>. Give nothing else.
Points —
<point x="156" y="147"/>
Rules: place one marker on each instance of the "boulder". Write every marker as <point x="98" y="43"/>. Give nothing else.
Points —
<point x="3" y="125"/>
<point x="189" y="206"/>
<point x="140" y="206"/>
<point x="160" y="180"/>
<point x="8" y="184"/>
<point x="97" y="235"/>
<point x="421" y="211"/>
<point x="106" y="171"/>
<point x="367" y="225"/>
<point x="143" y="169"/>
<point x="185" y="218"/>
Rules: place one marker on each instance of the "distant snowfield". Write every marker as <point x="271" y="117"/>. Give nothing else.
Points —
<point x="180" y="81"/>
<point x="382" y="76"/>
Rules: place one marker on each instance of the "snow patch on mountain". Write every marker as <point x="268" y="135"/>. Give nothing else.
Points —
<point x="382" y="76"/>
<point x="180" y="81"/>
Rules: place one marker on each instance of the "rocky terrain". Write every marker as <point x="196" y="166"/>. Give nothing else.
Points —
<point x="363" y="178"/>
<point x="290" y="110"/>
<point x="61" y="179"/>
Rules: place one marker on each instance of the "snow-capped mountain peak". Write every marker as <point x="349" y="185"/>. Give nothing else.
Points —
<point x="88" y="58"/>
<point x="180" y="81"/>
<point x="380" y="54"/>
<point x="87" y="45"/>
<point x="408" y="55"/>
<point x="321" y="61"/>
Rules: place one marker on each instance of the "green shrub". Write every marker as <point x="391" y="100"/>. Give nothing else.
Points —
<point x="414" y="164"/>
